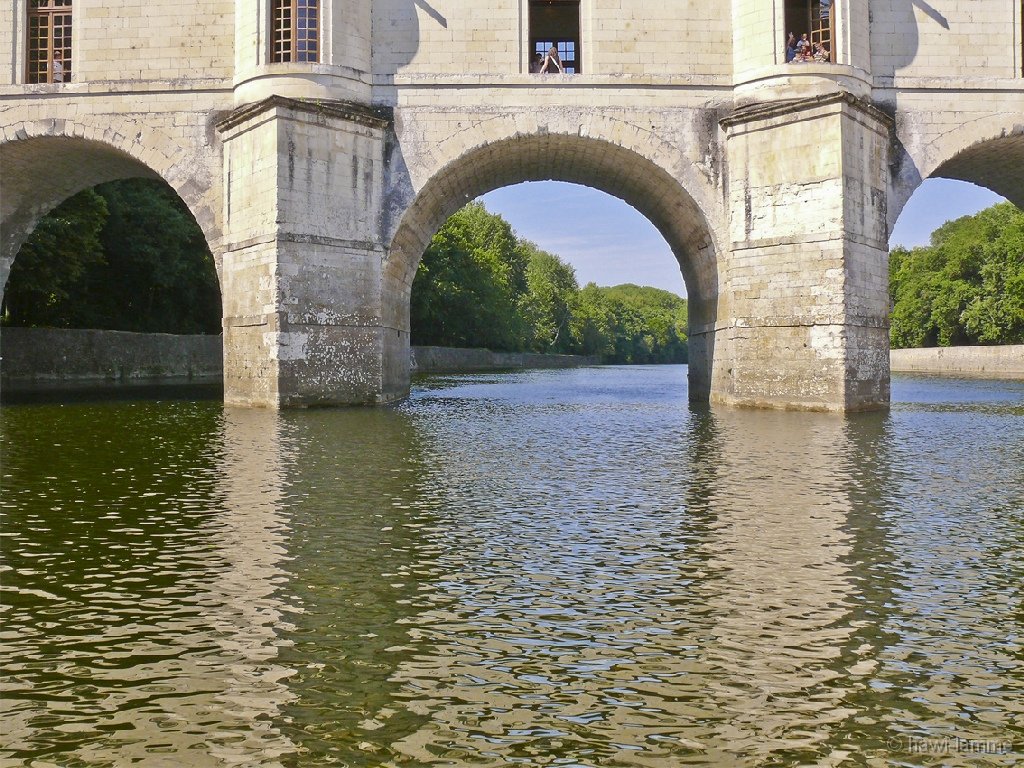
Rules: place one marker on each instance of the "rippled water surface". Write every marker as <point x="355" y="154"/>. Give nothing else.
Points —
<point x="568" y="568"/>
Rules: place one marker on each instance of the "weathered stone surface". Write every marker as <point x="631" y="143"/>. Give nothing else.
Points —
<point x="319" y="184"/>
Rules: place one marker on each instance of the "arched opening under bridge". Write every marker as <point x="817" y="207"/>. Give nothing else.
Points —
<point x="956" y="273"/>
<point x="619" y="171"/>
<point x="96" y="243"/>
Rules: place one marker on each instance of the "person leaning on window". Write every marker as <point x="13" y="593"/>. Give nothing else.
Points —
<point x="551" y="62"/>
<point x="790" y="48"/>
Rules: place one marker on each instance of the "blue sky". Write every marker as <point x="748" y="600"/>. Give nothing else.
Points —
<point x="608" y="242"/>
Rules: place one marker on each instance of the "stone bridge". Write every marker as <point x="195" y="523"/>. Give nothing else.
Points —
<point x="319" y="180"/>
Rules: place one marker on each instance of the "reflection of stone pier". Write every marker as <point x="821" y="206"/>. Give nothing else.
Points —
<point x="226" y="685"/>
<point x="232" y="649"/>
<point x="780" y="588"/>
<point x="161" y="644"/>
<point x="721" y="641"/>
<point x="252" y="538"/>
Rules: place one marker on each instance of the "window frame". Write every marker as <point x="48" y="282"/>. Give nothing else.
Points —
<point x="542" y="45"/>
<point x="38" y="69"/>
<point x="284" y="50"/>
<point x="537" y="38"/>
<point x="811" y="17"/>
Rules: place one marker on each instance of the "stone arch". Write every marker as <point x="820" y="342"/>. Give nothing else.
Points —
<point x="612" y="165"/>
<point x="988" y="151"/>
<point x="46" y="161"/>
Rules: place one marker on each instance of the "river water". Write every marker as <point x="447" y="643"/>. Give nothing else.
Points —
<point x="569" y="568"/>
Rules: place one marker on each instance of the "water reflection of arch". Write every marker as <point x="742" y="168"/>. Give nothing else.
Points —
<point x="635" y="165"/>
<point x="48" y="161"/>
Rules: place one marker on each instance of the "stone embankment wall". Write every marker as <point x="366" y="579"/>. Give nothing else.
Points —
<point x="454" y="360"/>
<point x="59" y="357"/>
<point x="70" y="358"/>
<point x="1006" y="362"/>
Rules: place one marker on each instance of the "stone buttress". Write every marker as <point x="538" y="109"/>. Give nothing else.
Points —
<point x="804" y="302"/>
<point x="301" y="257"/>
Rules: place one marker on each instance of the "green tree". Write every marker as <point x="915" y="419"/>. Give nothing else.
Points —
<point x="652" y="324"/>
<point x="594" y="322"/>
<point x="631" y="324"/>
<point x="127" y="255"/>
<point x="479" y="286"/>
<point x="158" y="274"/>
<point x="44" y="278"/>
<point x="967" y="287"/>
<point x="995" y="315"/>
<point x="468" y="286"/>
<point x="547" y="306"/>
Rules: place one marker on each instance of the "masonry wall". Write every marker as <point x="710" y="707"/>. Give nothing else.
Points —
<point x="454" y="359"/>
<point x="34" y="357"/>
<point x="60" y="357"/>
<point x="128" y="40"/>
<point x="945" y="39"/>
<point x="118" y="40"/>
<point x="1006" y="362"/>
<point x="778" y="227"/>
<point x="465" y="37"/>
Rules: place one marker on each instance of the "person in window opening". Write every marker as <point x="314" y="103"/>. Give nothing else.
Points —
<point x="821" y="54"/>
<point x="536" y="64"/>
<point x="790" y="47"/>
<point x="551" y="62"/>
<point x="58" y="67"/>
<point x="803" y="47"/>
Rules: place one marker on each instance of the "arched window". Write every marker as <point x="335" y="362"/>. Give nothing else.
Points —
<point x="49" y="41"/>
<point x="814" y="18"/>
<point x="295" y="30"/>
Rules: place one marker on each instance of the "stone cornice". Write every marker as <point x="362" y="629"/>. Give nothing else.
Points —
<point x="769" y="110"/>
<point x="373" y="117"/>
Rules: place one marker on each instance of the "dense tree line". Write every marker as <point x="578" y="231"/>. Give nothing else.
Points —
<point x="967" y="287"/>
<point x="478" y="285"/>
<point x="129" y="256"/>
<point x="126" y="255"/>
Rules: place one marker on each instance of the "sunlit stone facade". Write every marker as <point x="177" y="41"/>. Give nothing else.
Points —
<point x="318" y="183"/>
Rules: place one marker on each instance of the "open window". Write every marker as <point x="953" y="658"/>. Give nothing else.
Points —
<point x="295" y="30"/>
<point x="814" y="18"/>
<point x="556" y="23"/>
<point x="49" y="41"/>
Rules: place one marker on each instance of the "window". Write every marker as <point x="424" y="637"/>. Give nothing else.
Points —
<point x="813" y="18"/>
<point x="556" y="23"/>
<point x="49" y="41"/>
<point x="295" y="31"/>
